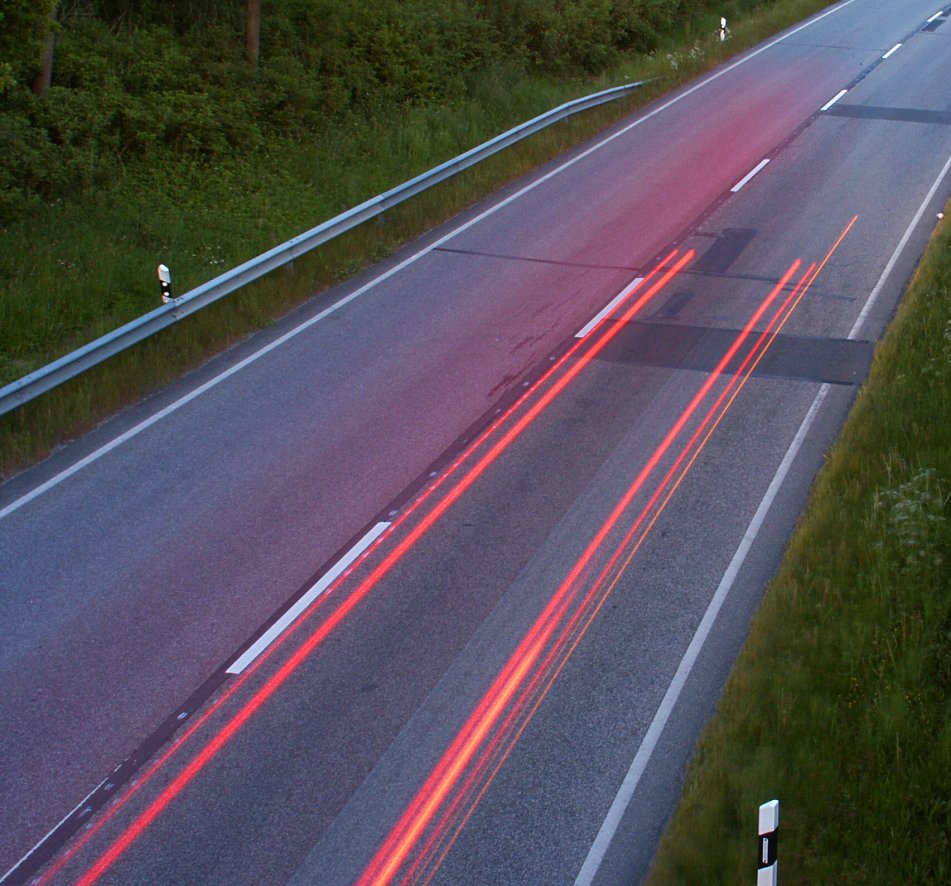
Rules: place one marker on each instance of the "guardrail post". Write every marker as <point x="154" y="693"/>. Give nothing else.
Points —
<point x="165" y="282"/>
<point x="766" y="861"/>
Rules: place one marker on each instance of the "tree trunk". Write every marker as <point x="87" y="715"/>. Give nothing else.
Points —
<point x="41" y="84"/>
<point x="254" y="31"/>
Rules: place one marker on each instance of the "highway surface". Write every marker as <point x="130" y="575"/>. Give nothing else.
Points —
<point x="438" y="579"/>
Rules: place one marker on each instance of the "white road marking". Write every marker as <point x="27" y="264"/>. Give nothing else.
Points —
<point x="52" y="831"/>
<point x="829" y="104"/>
<point x="610" y="306"/>
<point x="292" y="614"/>
<point x="133" y="432"/>
<point x="937" y="15"/>
<point x="749" y="175"/>
<point x="873" y="297"/>
<point x="892" y="51"/>
<point x="652" y="737"/>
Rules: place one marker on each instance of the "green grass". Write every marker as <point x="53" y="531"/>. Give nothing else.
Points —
<point x="77" y="269"/>
<point x="840" y="703"/>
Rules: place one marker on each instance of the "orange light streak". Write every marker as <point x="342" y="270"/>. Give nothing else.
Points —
<point x="742" y="375"/>
<point x="706" y="420"/>
<point x="392" y="854"/>
<point x="570" y="629"/>
<point x="808" y="279"/>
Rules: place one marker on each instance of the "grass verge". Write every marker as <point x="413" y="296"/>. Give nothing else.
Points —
<point x="78" y="269"/>
<point x="840" y="702"/>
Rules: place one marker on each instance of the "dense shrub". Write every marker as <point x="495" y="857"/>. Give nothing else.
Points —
<point x="132" y="81"/>
<point x="24" y="28"/>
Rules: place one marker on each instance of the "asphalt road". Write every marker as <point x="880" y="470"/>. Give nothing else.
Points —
<point x="564" y="562"/>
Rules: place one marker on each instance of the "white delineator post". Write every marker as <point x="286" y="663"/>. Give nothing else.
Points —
<point x="722" y="29"/>
<point x="766" y="861"/>
<point x="165" y="282"/>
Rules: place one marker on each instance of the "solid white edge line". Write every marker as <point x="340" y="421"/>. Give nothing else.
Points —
<point x="629" y="785"/>
<point x="609" y="307"/>
<point x="132" y="432"/>
<point x="892" y="51"/>
<point x="288" y="618"/>
<point x="252" y="653"/>
<point x="746" y="178"/>
<point x="52" y="831"/>
<point x="876" y="292"/>
<point x="652" y="737"/>
<point x="829" y="104"/>
<point x="937" y="15"/>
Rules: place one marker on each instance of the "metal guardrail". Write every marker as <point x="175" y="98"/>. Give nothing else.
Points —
<point x="53" y="374"/>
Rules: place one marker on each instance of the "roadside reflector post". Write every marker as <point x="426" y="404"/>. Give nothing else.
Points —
<point x="766" y="860"/>
<point x="165" y="282"/>
<point x="722" y="29"/>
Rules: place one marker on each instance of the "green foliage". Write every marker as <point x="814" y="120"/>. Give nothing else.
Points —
<point x="24" y="28"/>
<point x="116" y="169"/>
<point x="583" y="34"/>
<point x="135" y="81"/>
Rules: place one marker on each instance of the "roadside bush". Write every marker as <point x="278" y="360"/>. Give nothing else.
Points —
<point x="136" y="81"/>
<point x="32" y="167"/>
<point x="24" y="27"/>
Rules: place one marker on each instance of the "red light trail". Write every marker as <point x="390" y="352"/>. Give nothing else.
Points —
<point x="353" y="598"/>
<point x="420" y="817"/>
<point x="393" y="853"/>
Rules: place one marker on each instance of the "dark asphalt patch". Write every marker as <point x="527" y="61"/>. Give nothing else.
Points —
<point x="675" y="304"/>
<point x="700" y="349"/>
<point x="901" y="115"/>
<point x="724" y="251"/>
